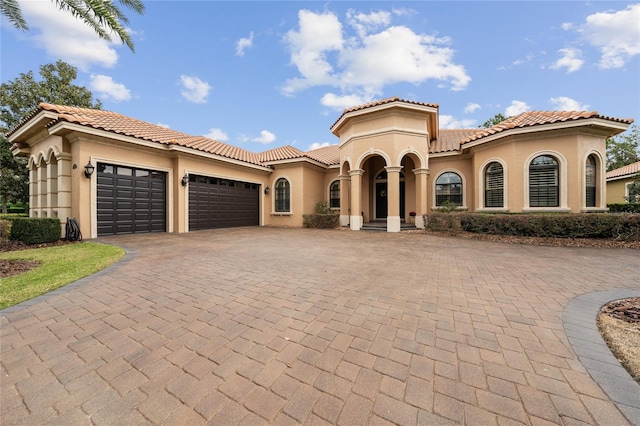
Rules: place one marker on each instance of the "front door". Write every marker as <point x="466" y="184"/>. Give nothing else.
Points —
<point x="381" y="200"/>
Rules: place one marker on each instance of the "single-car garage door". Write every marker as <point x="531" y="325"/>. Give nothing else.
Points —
<point x="130" y="200"/>
<point x="222" y="203"/>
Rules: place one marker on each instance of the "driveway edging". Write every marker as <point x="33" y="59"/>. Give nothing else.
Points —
<point x="129" y="255"/>
<point x="579" y="320"/>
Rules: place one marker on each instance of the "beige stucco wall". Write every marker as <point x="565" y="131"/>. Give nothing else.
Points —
<point x="617" y="190"/>
<point x="570" y="147"/>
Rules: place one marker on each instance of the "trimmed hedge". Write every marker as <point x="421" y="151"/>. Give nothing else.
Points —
<point x="624" y="208"/>
<point x="622" y="226"/>
<point x="321" y="221"/>
<point x="35" y="230"/>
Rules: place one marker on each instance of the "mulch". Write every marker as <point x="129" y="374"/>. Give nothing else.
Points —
<point x="626" y="309"/>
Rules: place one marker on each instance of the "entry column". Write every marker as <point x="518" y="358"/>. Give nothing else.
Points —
<point x="421" y="195"/>
<point x="393" y="206"/>
<point x="356" y="186"/>
<point x="344" y="199"/>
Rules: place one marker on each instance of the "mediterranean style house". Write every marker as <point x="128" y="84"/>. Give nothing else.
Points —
<point x="619" y="182"/>
<point x="392" y="165"/>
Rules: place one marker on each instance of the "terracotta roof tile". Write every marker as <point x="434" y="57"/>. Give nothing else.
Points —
<point x="282" y="153"/>
<point x="329" y="155"/>
<point x="127" y="126"/>
<point x="628" y="170"/>
<point x="535" y="118"/>
<point x="450" y="140"/>
<point x="381" y="102"/>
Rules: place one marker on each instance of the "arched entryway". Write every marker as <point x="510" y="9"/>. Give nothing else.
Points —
<point x="381" y="196"/>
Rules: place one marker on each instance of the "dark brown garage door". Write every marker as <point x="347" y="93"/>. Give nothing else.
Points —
<point x="130" y="200"/>
<point x="222" y="203"/>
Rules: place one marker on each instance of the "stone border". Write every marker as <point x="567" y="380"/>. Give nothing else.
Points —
<point x="129" y="255"/>
<point x="579" y="320"/>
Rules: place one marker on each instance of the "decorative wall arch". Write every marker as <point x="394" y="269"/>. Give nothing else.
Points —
<point x="372" y="153"/>
<point x="52" y="151"/>
<point x="411" y="151"/>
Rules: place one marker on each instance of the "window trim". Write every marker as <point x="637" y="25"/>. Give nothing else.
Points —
<point x="562" y="184"/>
<point x="481" y="186"/>
<point x="274" y="211"/>
<point x="463" y="206"/>
<point x="339" y="193"/>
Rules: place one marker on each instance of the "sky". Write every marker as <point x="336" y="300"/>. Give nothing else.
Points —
<point x="264" y="74"/>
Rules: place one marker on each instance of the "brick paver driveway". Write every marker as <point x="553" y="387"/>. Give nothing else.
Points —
<point x="279" y="326"/>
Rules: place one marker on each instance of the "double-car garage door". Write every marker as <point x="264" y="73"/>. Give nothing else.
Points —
<point x="133" y="200"/>
<point x="222" y="203"/>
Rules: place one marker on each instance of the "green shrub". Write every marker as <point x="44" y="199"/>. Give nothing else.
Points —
<point x="35" y="230"/>
<point x="624" y="208"/>
<point x="5" y="229"/>
<point x="582" y="225"/>
<point x="323" y="207"/>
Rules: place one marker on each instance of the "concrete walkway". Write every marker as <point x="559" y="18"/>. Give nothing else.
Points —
<point x="285" y="326"/>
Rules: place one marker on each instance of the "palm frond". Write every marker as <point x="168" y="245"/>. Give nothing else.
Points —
<point x="11" y="10"/>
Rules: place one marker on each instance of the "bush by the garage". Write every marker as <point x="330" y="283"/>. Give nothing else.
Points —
<point x="622" y="226"/>
<point x="624" y="208"/>
<point x="35" y="230"/>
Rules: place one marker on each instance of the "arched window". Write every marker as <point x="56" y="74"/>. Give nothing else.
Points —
<point x="449" y="188"/>
<point x="334" y="194"/>
<point x="494" y="185"/>
<point x="590" y="181"/>
<point x="544" y="182"/>
<point x="283" y="195"/>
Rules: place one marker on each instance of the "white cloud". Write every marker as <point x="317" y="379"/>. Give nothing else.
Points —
<point x="106" y="88"/>
<point x="471" y="108"/>
<point x="566" y="26"/>
<point x="65" y="37"/>
<point x="571" y="60"/>
<point x="564" y="103"/>
<point x="365" y="23"/>
<point x="516" y="107"/>
<point x="338" y="103"/>
<point x="317" y="145"/>
<point x="194" y="90"/>
<point x="265" y="137"/>
<point x="616" y="34"/>
<point x="217" y="134"/>
<point x="166" y="126"/>
<point x="449" y="122"/>
<point x="243" y="44"/>
<point x="363" y="63"/>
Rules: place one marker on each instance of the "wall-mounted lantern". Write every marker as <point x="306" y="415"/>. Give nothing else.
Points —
<point x="185" y="179"/>
<point x="266" y="191"/>
<point x="88" y="170"/>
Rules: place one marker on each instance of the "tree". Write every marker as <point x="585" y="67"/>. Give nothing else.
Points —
<point x="634" y="190"/>
<point x="17" y="99"/>
<point x="623" y="149"/>
<point x="496" y="119"/>
<point x="102" y="16"/>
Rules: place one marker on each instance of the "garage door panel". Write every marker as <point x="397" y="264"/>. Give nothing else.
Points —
<point x="221" y="203"/>
<point x="130" y="200"/>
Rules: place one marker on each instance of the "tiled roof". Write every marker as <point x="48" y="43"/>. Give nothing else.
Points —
<point x="282" y="153"/>
<point x="628" y="170"/>
<point x="450" y="139"/>
<point x="535" y="118"/>
<point x="328" y="155"/>
<point x="381" y="102"/>
<point x="127" y="126"/>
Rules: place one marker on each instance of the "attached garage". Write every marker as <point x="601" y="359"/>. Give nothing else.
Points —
<point x="222" y="203"/>
<point x="130" y="200"/>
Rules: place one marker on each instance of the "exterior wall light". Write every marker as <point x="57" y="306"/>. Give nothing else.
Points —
<point x="88" y="170"/>
<point x="185" y="179"/>
<point x="266" y="191"/>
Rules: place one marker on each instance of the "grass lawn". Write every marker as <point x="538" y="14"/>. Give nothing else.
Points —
<point x="59" y="266"/>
